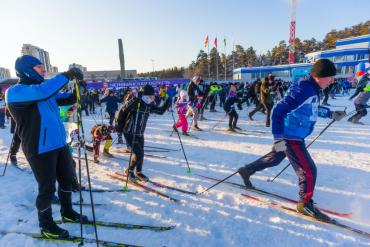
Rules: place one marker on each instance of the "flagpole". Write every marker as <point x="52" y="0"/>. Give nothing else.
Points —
<point x="209" y="65"/>
<point x="225" y="56"/>
<point x="233" y="60"/>
<point x="216" y="59"/>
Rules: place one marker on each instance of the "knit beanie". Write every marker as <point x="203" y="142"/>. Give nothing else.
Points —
<point x="148" y="90"/>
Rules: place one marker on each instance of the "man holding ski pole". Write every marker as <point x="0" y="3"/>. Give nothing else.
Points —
<point x="293" y="119"/>
<point x="33" y="103"/>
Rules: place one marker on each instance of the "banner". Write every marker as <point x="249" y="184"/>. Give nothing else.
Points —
<point x="134" y="83"/>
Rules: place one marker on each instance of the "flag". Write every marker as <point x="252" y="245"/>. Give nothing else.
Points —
<point x="206" y="41"/>
<point x="225" y="42"/>
<point x="215" y="42"/>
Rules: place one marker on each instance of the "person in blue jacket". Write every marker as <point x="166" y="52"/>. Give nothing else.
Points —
<point x="112" y="105"/>
<point x="33" y="103"/>
<point x="293" y="119"/>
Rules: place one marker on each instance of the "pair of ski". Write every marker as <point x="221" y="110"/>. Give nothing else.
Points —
<point x="147" y="155"/>
<point x="262" y="199"/>
<point x="69" y="240"/>
<point x="122" y="177"/>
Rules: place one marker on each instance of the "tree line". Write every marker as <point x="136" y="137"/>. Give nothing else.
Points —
<point x="247" y="57"/>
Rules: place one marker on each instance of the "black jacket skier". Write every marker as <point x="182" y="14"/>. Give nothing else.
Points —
<point x="131" y="120"/>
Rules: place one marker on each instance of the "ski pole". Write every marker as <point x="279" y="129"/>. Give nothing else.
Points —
<point x="7" y="159"/>
<point x="182" y="147"/>
<point x="133" y="144"/>
<point x="218" y="122"/>
<point x="221" y="181"/>
<point x="327" y="126"/>
<point x="81" y="138"/>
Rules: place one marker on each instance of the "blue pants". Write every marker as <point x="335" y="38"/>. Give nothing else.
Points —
<point x="301" y="161"/>
<point x="2" y="118"/>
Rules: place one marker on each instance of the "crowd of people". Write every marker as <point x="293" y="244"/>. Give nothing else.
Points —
<point x="37" y="109"/>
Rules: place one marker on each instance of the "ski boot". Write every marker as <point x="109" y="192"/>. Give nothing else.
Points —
<point x="185" y="133"/>
<point x="309" y="209"/>
<point x="175" y="128"/>
<point x="197" y="128"/>
<point x="230" y="129"/>
<point x="53" y="231"/>
<point x="237" y="128"/>
<point x="107" y="154"/>
<point x="250" y="116"/>
<point x="120" y="140"/>
<point x="48" y="228"/>
<point x="72" y="216"/>
<point x="96" y="160"/>
<point x="131" y="176"/>
<point x="246" y="174"/>
<point x="13" y="159"/>
<point x="141" y="177"/>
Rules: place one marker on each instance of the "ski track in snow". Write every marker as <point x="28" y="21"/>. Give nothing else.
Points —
<point x="220" y="217"/>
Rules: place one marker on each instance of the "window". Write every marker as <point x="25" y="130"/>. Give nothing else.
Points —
<point x="350" y="58"/>
<point x="339" y="58"/>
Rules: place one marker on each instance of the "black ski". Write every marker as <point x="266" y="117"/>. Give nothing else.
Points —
<point x="123" y="225"/>
<point x="105" y="190"/>
<point x="163" y="185"/>
<point x="145" y="188"/>
<point x="70" y="239"/>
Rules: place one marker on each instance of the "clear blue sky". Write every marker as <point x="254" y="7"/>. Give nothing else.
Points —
<point x="169" y="31"/>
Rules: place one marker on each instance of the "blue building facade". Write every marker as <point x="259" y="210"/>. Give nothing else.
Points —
<point x="346" y="56"/>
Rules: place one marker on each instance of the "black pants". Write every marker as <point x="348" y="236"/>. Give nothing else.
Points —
<point x="268" y="108"/>
<point x="233" y="118"/>
<point x="14" y="148"/>
<point x="111" y="117"/>
<point x="213" y="99"/>
<point x="49" y="167"/>
<point x="361" y="112"/>
<point x="137" y="148"/>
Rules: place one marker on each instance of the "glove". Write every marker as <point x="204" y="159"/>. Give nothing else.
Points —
<point x="338" y="115"/>
<point x="280" y="146"/>
<point x="74" y="73"/>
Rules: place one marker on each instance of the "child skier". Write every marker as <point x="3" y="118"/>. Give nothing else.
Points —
<point x="182" y="108"/>
<point x="230" y="108"/>
<point x="101" y="132"/>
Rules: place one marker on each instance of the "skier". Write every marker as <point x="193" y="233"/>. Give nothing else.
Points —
<point x="364" y="80"/>
<point x="182" y="107"/>
<point x="230" y="108"/>
<point x="131" y="120"/>
<point x="2" y="110"/>
<point x="194" y="94"/>
<point x="33" y="103"/>
<point x="112" y="105"/>
<point x="293" y="119"/>
<point x="99" y="133"/>
<point x="361" y="105"/>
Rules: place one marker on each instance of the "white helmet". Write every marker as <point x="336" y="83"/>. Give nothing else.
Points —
<point x="183" y="95"/>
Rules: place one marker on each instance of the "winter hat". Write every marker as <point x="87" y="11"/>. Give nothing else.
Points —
<point x="24" y="69"/>
<point x="323" y="68"/>
<point x="148" y="90"/>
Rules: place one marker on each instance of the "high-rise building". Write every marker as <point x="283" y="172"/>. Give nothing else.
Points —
<point x="42" y="55"/>
<point x="4" y="73"/>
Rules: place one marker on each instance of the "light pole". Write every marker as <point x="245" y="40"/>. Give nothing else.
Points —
<point x="152" y="60"/>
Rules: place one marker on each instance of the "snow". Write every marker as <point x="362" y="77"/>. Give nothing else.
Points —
<point x="220" y="217"/>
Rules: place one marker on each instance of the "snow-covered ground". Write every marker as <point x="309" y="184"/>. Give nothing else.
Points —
<point x="221" y="217"/>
